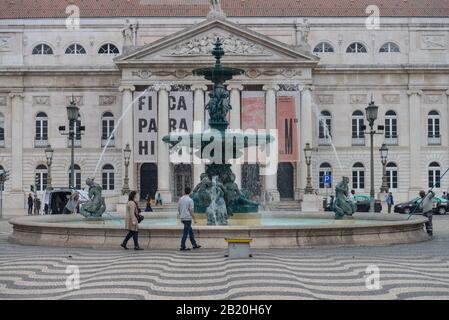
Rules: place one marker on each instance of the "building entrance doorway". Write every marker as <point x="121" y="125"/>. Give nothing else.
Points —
<point x="148" y="180"/>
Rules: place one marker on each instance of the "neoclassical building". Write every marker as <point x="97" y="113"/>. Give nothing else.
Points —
<point x="310" y="72"/>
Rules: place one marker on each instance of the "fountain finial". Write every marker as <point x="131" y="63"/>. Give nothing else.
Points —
<point x="218" y="51"/>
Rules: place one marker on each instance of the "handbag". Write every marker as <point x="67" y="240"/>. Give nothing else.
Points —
<point x="139" y="218"/>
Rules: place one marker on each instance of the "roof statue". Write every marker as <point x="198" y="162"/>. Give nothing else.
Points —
<point x="216" y="12"/>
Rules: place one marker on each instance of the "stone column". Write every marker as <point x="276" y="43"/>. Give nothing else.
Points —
<point x="235" y="123"/>
<point x="306" y="136"/>
<point x="127" y="133"/>
<point x="17" y="191"/>
<point x="198" y="117"/>
<point x="163" y="156"/>
<point x="270" y="123"/>
<point x="415" y="141"/>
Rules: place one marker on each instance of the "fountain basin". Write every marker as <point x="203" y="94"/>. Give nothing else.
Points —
<point x="268" y="230"/>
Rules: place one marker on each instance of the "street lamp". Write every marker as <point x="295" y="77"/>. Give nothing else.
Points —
<point x="72" y="116"/>
<point x="49" y="155"/>
<point x="126" y="156"/>
<point x="371" y="116"/>
<point x="308" y="153"/>
<point x="383" y="156"/>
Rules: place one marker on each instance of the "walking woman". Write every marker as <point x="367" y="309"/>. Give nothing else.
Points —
<point x="131" y="222"/>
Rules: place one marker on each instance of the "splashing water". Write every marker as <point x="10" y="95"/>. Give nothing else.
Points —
<point x="327" y="134"/>
<point x="115" y="129"/>
<point x="216" y="212"/>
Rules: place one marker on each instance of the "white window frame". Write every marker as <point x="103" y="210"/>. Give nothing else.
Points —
<point x="109" y="174"/>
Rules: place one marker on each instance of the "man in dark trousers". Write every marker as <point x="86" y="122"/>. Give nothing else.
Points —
<point x="185" y="210"/>
<point x="30" y="204"/>
<point x="427" y="209"/>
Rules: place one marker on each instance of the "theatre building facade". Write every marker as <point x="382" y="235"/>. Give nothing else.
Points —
<point x="311" y="79"/>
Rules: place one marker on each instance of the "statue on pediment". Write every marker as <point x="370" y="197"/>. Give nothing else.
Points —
<point x="216" y="12"/>
<point x="129" y="33"/>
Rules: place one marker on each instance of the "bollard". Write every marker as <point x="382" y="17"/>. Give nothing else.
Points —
<point x="239" y="248"/>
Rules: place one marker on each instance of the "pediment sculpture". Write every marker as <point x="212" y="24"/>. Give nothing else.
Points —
<point x="233" y="45"/>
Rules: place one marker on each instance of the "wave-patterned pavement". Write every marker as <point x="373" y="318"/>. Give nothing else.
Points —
<point x="40" y="273"/>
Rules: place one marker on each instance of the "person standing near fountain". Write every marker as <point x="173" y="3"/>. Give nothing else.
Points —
<point x="186" y="214"/>
<point x="131" y="222"/>
<point x="427" y="209"/>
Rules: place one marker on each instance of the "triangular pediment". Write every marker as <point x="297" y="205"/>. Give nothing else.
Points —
<point x="193" y="45"/>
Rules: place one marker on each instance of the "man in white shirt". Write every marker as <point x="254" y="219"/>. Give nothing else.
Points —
<point x="186" y="214"/>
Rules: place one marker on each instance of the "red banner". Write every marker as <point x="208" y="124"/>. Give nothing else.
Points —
<point x="253" y="118"/>
<point x="287" y="122"/>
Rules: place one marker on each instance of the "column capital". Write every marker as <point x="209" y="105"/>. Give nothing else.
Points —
<point x="447" y="92"/>
<point x="127" y="88"/>
<point x="413" y="91"/>
<point x="235" y="86"/>
<point x="269" y="87"/>
<point x="308" y="87"/>
<point x="195" y="87"/>
<point x="162" y="87"/>
<point x="13" y="95"/>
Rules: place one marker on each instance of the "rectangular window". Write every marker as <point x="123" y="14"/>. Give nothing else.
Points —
<point x="358" y="179"/>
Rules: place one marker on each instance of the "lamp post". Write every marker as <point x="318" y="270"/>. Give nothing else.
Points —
<point x="383" y="156"/>
<point x="72" y="116"/>
<point x="49" y="155"/>
<point x="126" y="156"/>
<point x="308" y="153"/>
<point x="371" y="116"/>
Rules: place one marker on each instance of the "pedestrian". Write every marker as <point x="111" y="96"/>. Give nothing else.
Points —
<point x="131" y="222"/>
<point x="427" y="209"/>
<point x="390" y="201"/>
<point x="186" y="214"/>
<point x="351" y="196"/>
<point x="148" y="207"/>
<point x="30" y="204"/>
<point x="158" y="199"/>
<point x="72" y="204"/>
<point x="444" y="196"/>
<point x="37" y="205"/>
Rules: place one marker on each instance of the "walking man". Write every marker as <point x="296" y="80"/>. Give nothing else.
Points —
<point x="185" y="210"/>
<point x="30" y="204"/>
<point x="390" y="201"/>
<point x="427" y="207"/>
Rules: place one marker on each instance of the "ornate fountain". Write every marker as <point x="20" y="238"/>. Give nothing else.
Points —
<point x="217" y="194"/>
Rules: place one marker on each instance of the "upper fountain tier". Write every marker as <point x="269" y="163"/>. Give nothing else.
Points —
<point x="218" y="74"/>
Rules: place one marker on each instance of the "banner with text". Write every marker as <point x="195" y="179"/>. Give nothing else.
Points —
<point x="145" y="127"/>
<point x="181" y="111"/>
<point x="253" y="118"/>
<point x="288" y="103"/>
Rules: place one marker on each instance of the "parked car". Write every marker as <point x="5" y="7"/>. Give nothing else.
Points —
<point x="363" y="203"/>
<point x="57" y="198"/>
<point x="440" y="206"/>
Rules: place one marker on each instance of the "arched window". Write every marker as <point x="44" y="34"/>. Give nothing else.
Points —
<point x="433" y="128"/>
<point x="358" y="135"/>
<point x="325" y="170"/>
<point x="108" y="48"/>
<point x="434" y="175"/>
<point x="390" y="47"/>
<point x="392" y="175"/>
<point x="41" y="177"/>
<point x="391" y="128"/>
<point x="42" y="49"/>
<point x="2" y="130"/>
<point x="358" y="176"/>
<point x="107" y="125"/>
<point x="75" y="49"/>
<point x="323" y="47"/>
<point x="324" y="128"/>
<point x="77" y="177"/>
<point x="41" y="130"/>
<point x="356" y="47"/>
<point x="107" y="175"/>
